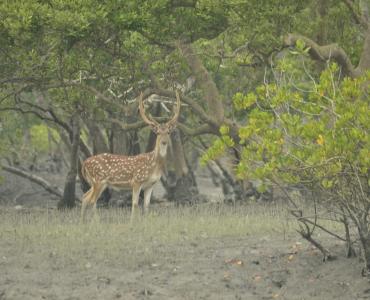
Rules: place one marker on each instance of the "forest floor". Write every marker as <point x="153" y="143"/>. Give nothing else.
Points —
<point x="205" y="252"/>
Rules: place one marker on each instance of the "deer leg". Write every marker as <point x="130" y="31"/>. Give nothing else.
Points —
<point x="98" y="190"/>
<point x="85" y="201"/>
<point x="135" y="200"/>
<point x="147" y="194"/>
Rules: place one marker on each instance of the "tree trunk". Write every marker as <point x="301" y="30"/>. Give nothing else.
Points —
<point x="122" y="141"/>
<point x="118" y="140"/>
<point x="69" y="194"/>
<point x="364" y="63"/>
<point x="322" y="7"/>
<point x="212" y="95"/>
<point x="350" y="250"/>
<point x="323" y="53"/>
<point x="98" y="141"/>
<point x="363" y="231"/>
<point x="180" y="185"/>
<point x="205" y="82"/>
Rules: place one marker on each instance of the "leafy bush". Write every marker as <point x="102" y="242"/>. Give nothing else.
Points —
<point x="316" y="137"/>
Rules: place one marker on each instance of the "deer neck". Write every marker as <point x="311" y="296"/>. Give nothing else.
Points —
<point x="159" y="158"/>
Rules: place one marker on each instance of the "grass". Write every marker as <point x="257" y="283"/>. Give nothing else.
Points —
<point x="59" y="234"/>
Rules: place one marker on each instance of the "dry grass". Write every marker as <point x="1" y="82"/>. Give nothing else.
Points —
<point x="54" y="233"/>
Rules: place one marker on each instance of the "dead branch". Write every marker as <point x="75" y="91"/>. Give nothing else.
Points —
<point x="35" y="179"/>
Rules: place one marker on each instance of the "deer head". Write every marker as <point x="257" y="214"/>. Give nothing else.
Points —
<point x="162" y="131"/>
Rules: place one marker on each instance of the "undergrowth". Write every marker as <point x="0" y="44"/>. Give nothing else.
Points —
<point x="113" y="238"/>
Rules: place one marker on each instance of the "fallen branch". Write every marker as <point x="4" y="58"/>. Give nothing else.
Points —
<point x="35" y="179"/>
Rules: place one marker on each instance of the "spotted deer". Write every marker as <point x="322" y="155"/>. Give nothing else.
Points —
<point x="136" y="173"/>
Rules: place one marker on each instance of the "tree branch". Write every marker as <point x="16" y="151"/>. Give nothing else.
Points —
<point x="206" y="83"/>
<point x="364" y="63"/>
<point x="359" y="18"/>
<point x="35" y="179"/>
<point x="23" y="111"/>
<point x="203" y="129"/>
<point x="101" y="96"/>
<point x="129" y="126"/>
<point x="54" y="119"/>
<point x="156" y="42"/>
<point x="191" y="102"/>
<point x="184" y="3"/>
<point x="14" y="93"/>
<point x="19" y="80"/>
<point x="324" y="53"/>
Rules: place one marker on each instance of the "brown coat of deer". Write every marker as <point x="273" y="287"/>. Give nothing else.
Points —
<point x="139" y="172"/>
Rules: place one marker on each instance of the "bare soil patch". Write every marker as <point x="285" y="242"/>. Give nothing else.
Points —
<point x="206" y="253"/>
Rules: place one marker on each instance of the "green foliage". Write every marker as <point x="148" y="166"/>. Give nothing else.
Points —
<point x="219" y="146"/>
<point x="243" y="102"/>
<point x="40" y="137"/>
<point x="11" y="132"/>
<point x="300" y="48"/>
<point x="58" y="46"/>
<point x="319" y="137"/>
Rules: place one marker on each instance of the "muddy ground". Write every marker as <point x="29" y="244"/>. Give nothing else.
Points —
<point x="234" y="263"/>
<point x="254" y="265"/>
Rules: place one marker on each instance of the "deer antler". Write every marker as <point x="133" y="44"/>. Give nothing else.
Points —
<point x="172" y="123"/>
<point x="152" y="123"/>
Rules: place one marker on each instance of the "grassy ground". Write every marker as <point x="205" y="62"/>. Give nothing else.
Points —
<point x="62" y="233"/>
<point x="202" y="252"/>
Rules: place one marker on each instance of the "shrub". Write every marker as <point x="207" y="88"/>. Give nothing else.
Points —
<point x="317" y="137"/>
